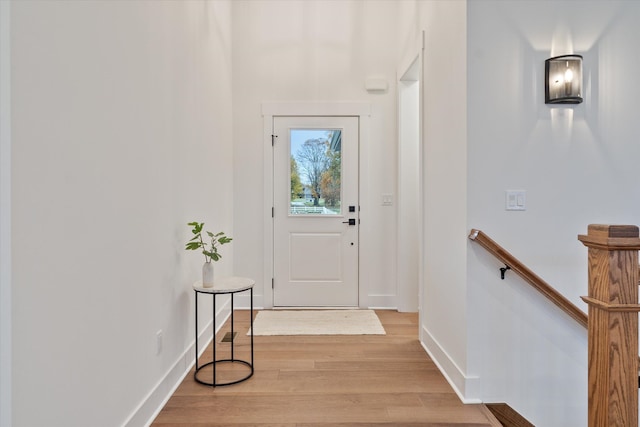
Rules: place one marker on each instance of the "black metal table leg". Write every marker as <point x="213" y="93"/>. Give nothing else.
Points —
<point x="232" y="337"/>
<point x="214" y="341"/>
<point x="196" y="327"/>
<point x="251" y="314"/>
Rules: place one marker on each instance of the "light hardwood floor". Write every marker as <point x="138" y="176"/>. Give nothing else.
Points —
<point x="327" y="381"/>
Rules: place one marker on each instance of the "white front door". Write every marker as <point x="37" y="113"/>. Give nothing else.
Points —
<point x="315" y="211"/>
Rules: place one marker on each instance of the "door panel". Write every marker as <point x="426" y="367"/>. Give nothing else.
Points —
<point x="307" y="248"/>
<point x="315" y="196"/>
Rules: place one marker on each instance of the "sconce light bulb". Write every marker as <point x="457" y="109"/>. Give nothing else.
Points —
<point x="568" y="75"/>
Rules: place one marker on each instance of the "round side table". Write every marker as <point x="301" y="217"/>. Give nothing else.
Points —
<point x="221" y="286"/>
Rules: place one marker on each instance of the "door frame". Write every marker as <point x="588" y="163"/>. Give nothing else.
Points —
<point x="410" y="243"/>
<point x="362" y="110"/>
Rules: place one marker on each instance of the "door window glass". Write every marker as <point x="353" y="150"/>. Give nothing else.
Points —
<point x="316" y="171"/>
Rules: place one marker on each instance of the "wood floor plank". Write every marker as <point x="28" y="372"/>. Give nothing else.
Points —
<point x="306" y="381"/>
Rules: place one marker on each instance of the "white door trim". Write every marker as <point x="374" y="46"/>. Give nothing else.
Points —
<point x="410" y="206"/>
<point x="411" y="69"/>
<point x="274" y="109"/>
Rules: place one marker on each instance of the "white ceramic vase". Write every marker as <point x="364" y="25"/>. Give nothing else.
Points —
<point x="207" y="275"/>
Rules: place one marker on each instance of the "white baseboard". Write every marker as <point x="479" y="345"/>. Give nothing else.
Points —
<point x="380" y="302"/>
<point x="243" y="301"/>
<point x="373" y="302"/>
<point x="153" y="403"/>
<point x="464" y="386"/>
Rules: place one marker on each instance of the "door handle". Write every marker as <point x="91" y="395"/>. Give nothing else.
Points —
<point x="352" y="221"/>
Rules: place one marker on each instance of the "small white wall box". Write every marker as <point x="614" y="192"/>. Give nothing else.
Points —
<point x="376" y="84"/>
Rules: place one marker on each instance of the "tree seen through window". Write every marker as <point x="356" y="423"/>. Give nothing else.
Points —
<point x="315" y="171"/>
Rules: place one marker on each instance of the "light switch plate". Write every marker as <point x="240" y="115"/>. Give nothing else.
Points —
<point x="515" y="200"/>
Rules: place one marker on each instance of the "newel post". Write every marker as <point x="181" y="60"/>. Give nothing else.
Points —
<point x="613" y="324"/>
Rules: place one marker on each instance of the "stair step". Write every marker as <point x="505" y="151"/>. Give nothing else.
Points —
<point x="508" y="416"/>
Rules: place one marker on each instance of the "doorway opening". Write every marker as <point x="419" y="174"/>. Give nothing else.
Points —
<point x="409" y="227"/>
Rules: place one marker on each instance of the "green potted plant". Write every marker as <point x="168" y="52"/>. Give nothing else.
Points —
<point x="209" y="247"/>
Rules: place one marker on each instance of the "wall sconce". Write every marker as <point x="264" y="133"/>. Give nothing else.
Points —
<point x="563" y="80"/>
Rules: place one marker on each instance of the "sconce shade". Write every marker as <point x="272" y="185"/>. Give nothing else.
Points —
<point x="563" y="80"/>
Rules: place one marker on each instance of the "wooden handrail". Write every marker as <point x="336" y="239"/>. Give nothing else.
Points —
<point x="529" y="276"/>
<point x="613" y="321"/>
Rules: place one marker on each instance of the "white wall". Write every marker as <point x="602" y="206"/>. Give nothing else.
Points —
<point x="5" y="215"/>
<point x="445" y="181"/>
<point x="121" y="134"/>
<point x="444" y="301"/>
<point x="305" y="51"/>
<point x="578" y="166"/>
<point x="499" y="340"/>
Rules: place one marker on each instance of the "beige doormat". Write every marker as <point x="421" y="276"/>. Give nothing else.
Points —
<point x="317" y="322"/>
